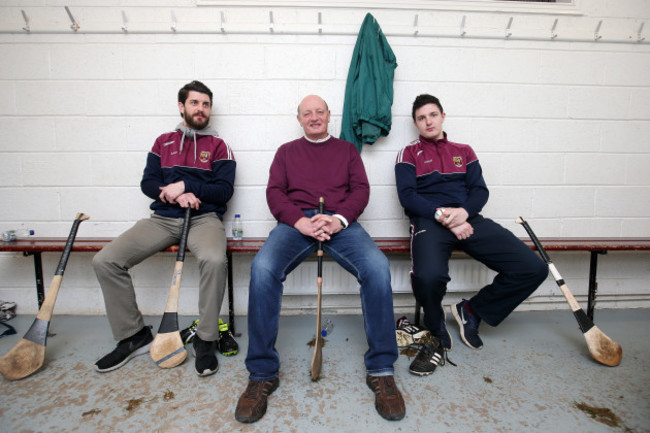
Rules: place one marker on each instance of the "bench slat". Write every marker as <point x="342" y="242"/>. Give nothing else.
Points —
<point x="387" y="245"/>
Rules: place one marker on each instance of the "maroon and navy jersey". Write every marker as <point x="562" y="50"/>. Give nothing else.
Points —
<point x="433" y="174"/>
<point x="207" y="166"/>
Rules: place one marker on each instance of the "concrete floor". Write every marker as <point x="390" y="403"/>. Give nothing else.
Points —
<point x="532" y="373"/>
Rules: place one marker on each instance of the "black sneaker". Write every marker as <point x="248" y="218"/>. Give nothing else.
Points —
<point x="126" y="349"/>
<point x="441" y="333"/>
<point x="206" y="362"/>
<point x="431" y="355"/>
<point x="468" y="325"/>
<point x="227" y="344"/>
<point x="408" y="334"/>
<point x="187" y="334"/>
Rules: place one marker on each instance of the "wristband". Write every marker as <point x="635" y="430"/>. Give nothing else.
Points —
<point x="344" y="222"/>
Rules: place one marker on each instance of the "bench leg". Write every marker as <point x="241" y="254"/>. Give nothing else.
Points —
<point x="38" y="274"/>
<point x="231" y="301"/>
<point x="593" y="283"/>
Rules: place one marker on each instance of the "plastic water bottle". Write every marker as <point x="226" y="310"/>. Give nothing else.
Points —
<point x="327" y="328"/>
<point x="237" y="229"/>
<point x="12" y="235"/>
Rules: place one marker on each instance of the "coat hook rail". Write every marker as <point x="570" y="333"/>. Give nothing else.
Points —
<point x="74" y="26"/>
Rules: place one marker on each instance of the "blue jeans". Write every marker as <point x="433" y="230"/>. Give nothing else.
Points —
<point x="282" y="252"/>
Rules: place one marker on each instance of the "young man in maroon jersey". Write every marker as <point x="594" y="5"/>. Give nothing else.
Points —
<point x="440" y="185"/>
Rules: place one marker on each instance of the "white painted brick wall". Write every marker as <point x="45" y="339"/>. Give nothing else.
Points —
<point x="561" y="127"/>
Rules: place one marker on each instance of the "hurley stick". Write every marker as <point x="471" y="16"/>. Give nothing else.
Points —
<point x="602" y="348"/>
<point x="28" y="355"/>
<point x="167" y="349"/>
<point x="317" y="359"/>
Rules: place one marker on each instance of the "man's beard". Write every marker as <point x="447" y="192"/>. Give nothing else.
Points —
<point x="189" y="120"/>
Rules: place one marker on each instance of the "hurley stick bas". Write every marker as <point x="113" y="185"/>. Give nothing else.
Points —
<point x="602" y="348"/>
<point x="167" y="349"/>
<point x="317" y="359"/>
<point x="28" y="354"/>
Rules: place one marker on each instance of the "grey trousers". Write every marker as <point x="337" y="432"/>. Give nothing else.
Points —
<point x="206" y="240"/>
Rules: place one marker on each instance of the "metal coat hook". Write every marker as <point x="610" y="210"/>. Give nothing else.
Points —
<point x="27" y="29"/>
<point x="173" y="23"/>
<point x="271" y="21"/>
<point x="74" y="26"/>
<point x="508" y="32"/>
<point x="223" y="20"/>
<point x="597" y="31"/>
<point x="553" y="32"/>
<point x="320" y="23"/>
<point x="639" y="38"/>
<point x="125" y="23"/>
<point x="462" y="27"/>
<point x="415" y="25"/>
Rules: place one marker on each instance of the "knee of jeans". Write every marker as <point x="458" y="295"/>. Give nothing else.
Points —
<point x="262" y="269"/>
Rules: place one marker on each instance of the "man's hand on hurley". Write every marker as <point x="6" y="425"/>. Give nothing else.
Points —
<point x="169" y="193"/>
<point x="320" y="227"/>
<point x="455" y="219"/>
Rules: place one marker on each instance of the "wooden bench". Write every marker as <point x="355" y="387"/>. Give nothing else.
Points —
<point x="389" y="246"/>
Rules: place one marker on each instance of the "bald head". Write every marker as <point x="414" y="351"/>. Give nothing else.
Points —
<point x="312" y="99"/>
<point x="314" y="116"/>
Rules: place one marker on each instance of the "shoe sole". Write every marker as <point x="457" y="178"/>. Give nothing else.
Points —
<point x="420" y="373"/>
<point x="404" y="339"/>
<point x="231" y="353"/>
<point x="459" y="320"/>
<point x="141" y="351"/>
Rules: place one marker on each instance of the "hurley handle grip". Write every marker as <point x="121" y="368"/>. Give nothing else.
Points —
<point x="538" y="244"/>
<point x="183" y="242"/>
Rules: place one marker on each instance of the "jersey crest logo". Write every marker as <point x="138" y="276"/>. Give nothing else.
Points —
<point x="458" y="161"/>
<point x="204" y="156"/>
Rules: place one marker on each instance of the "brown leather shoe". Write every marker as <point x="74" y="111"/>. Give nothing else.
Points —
<point x="388" y="400"/>
<point x="252" y="403"/>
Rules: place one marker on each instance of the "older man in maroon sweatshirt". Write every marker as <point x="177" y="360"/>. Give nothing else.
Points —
<point x="318" y="165"/>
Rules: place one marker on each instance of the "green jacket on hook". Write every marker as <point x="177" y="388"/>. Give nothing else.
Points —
<point x="369" y="87"/>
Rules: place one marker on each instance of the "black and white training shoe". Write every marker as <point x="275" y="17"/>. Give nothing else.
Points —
<point x="206" y="362"/>
<point x="430" y="356"/>
<point x="126" y="349"/>
<point x="408" y="333"/>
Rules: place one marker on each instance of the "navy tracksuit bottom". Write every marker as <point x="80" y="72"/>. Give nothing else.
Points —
<point x="519" y="269"/>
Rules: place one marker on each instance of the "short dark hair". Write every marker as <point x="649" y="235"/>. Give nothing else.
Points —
<point x="197" y="86"/>
<point x="423" y="100"/>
